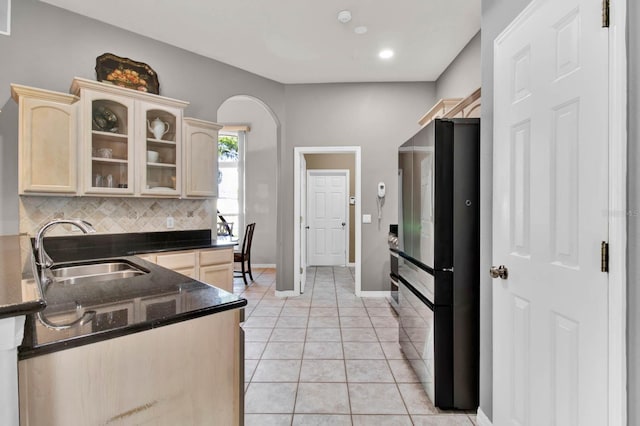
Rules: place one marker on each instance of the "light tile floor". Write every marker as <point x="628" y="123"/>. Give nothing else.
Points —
<point x="328" y="357"/>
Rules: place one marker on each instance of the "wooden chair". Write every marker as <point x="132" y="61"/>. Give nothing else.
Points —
<point x="244" y="256"/>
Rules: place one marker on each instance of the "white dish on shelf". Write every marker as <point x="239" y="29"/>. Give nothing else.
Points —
<point x="104" y="152"/>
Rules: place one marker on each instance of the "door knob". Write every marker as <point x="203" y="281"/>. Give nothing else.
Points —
<point x="306" y="227"/>
<point x="499" y="272"/>
<point x="344" y="223"/>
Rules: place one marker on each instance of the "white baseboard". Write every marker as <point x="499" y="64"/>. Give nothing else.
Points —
<point x="286" y="293"/>
<point x="263" y="265"/>
<point x="482" y="418"/>
<point x="351" y="264"/>
<point x="373" y="294"/>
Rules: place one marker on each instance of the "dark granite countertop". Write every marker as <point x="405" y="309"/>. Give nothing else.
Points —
<point x="122" y="306"/>
<point x="14" y="255"/>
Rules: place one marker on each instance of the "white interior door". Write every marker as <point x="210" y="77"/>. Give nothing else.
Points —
<point x="303" y="223"/>
<point x="327" y="217"/>
<point x="550" y="189"/>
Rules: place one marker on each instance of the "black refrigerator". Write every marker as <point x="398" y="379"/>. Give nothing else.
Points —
<point x="439" y="252"/>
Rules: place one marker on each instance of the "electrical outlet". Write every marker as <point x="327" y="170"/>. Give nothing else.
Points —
<point x="366" y="218"/>
<point x="170" y="222"/>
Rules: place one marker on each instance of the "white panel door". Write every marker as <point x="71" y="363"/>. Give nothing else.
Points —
<point x="550" y="319"/>
<point x="327" y="217"/>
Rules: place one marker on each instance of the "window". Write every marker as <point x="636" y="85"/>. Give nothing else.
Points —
<point x="231" y="179"/>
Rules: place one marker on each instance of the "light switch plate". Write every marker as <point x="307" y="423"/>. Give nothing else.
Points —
<point x="366" y="218"/>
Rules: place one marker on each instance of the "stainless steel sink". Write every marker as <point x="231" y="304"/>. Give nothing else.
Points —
<point x="95" y="272"/>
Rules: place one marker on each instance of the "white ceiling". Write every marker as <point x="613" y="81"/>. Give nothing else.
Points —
<point x="301" y="41"/>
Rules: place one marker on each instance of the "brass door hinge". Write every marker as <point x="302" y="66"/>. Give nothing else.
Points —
<point x="604" y="257"/>
<point x="605" y="13"/>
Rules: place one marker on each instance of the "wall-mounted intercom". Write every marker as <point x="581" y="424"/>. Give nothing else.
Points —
<point x="382" y="190"/>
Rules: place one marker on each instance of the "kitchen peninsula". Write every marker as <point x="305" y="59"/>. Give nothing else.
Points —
<point x="159" y="347"/>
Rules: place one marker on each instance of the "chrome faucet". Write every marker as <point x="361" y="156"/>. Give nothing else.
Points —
<point x="42" y="258"/>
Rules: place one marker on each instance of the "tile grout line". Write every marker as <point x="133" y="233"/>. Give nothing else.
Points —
<point x="338" y="292"/>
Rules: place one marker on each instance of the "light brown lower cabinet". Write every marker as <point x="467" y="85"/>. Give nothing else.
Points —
<point x="216" y="268"/>
<point x="217" y="275"/>
<point x="212" y="266"/>
<point x="187" y="373"/>
<point x="183" y="262"/>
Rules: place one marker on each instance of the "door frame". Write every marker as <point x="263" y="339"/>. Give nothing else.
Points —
<point x="299" y="152"/>
<point x="328" y="172"/>
<point x="617" y="291"/>
<point x="303" y="221"/>
<point x="617" y="213"/>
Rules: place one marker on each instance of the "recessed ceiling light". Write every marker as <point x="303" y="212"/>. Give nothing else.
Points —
<point x="344" y="16"/>
<point x="360" y="30"/>
<point x="386" y="54"/>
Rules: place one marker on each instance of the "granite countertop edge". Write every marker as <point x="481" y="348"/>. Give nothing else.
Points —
<point x="26" y="352"/>
<point x="20" y="309"/>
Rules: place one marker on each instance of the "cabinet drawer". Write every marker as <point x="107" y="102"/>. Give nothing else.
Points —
<point x="182" y="260"/>
<point x="215" y="257"/>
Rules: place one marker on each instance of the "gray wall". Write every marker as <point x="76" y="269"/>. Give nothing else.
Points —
<point x="260" y="173"/>
<point x="462" y="76"/>
<point x="496" y="15"/>
<point x="633" y="254"/>
<point x="49" y="46"/>
<point x="376" y="116"/>
<point x="9" y="223"/>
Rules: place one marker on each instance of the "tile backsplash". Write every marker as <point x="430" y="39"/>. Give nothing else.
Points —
<point x="116" y="215"/>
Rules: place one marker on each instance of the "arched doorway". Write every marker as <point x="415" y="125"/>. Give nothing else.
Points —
<point x="260" y="168"/>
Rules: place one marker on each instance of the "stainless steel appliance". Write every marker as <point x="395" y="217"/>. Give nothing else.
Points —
<point x="439" y="259"/>
<point x="393" y="266"/>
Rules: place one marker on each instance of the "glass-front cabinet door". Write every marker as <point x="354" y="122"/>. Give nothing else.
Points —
<point x="131" y="141"/>
<point x="160" y="130"/>
<point x="109" y="142"/>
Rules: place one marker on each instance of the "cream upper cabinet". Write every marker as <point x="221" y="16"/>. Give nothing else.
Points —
<point x="200" y="158"/>
<point x="160" y="156"/>
<point x="107" y="143"/>
<point x="118" y="127"/>
<point x="113" y="142"/>
<point x="47" y="141"/>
